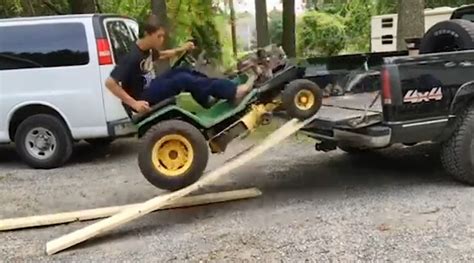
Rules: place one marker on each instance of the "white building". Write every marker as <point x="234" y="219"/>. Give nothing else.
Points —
<point x="384" y="27"/>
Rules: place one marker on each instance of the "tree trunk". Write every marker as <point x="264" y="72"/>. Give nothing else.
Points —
<point x="158" y="8"/>
<point x="29" y="10"/>
<point x="232" y="27"/>
<point x="411" y="21"/>
<point x="319" y="4"/>
<point x="289" y="37"/>
<point x="263" y="37"/>
<point x="81" y="6"/>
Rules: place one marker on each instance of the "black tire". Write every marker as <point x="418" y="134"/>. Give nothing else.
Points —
<point x="199" y="160"/>
<point x="451" y="35"/>
<point x="100" y="142"/>
<point x="53" y="157"/>
<point x="456" y="153"/>
<point x="290" y="93"/>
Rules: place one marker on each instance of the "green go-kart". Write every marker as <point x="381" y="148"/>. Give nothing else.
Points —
<point x="177" y="134"/>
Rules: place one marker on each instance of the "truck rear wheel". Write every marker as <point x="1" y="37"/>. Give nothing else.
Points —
<point x="451" y="35"/>
<point x="173" y="155"/>
<point x="457" y="153"/>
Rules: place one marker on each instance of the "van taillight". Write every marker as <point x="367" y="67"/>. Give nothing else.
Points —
<point x="105" y="55"/>
<point x="386" y="87"/>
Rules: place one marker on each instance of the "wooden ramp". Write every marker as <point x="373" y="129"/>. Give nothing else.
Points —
<point x="158" y="202"/>
<point x="103" y="212"/>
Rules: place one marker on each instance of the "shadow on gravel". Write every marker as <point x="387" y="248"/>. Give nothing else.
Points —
<point x="86" y="153"/>
<point x="82" y="153"/>
<point x="397" y="167"/>
<point x="8" y="154"/>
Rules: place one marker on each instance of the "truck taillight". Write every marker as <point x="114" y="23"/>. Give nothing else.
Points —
<point x="105" y="55"/>
<point x="386" y="87"/>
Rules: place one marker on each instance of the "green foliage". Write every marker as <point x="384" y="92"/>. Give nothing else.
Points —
<point x="357" y="19"/>
<point x="320" y="33"/>
<point x="334" y="26"/>
<point x="275" y="27"/>
<point x="225" y="38"/>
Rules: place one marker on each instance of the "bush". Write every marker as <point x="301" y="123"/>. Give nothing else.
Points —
<point x="320" y="34"/>
<point x="357" y="16"/>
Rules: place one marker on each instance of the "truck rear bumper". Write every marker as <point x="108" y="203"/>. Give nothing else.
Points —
<point x="368" y="137"/>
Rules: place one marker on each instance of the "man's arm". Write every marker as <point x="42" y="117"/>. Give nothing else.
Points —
<point x="119" y="74"/>
<point x="118" y="91"/>
<point x="170" y="53"/>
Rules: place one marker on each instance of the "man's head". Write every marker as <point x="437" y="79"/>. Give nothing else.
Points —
<point x="154" y="32"/>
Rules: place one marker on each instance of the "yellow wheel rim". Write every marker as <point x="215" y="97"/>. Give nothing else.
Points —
<point x="172" y="155"/>
<point x="304" y="99"/>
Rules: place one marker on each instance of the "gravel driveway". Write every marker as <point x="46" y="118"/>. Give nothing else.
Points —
<point x="387" y="206"/>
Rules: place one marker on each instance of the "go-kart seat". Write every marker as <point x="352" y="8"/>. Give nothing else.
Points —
<point x="138" y="117"/>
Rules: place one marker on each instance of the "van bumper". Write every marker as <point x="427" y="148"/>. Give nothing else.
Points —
<point x="122" y="127"/>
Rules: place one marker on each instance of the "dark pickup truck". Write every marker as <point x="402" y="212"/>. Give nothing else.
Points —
<point x="407" y="100"/>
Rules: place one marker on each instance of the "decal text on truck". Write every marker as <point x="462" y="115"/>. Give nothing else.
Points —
<point x="415" y="96"/>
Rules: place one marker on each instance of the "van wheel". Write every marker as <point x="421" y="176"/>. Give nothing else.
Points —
<point x="43" y="141"/>
<point x="457" y="153"/>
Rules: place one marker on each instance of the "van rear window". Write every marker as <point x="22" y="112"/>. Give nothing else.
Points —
<point x="43" y="46"/>
<point x="122" y="38"/>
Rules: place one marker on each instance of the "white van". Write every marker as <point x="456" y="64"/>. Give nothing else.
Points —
<point x="52" y="92"/>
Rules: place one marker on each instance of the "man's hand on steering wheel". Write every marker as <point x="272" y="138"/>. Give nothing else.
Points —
<point x="188" y="46"/>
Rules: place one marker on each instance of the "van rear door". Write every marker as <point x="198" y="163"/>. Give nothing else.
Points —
<point x="117" y="36"/>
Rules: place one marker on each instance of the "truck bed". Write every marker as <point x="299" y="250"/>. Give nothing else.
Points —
<point x="350" y="111"/>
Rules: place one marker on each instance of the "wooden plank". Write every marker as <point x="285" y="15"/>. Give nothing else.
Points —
<point x="135" y="212"/>
<point x="90" y="214"/>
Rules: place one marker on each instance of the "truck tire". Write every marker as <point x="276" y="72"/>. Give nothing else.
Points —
<point x="173" y="154"/>
<point x="451" y="35"/>
<point x="457" y="153"/>
<point x="43" y="141"/>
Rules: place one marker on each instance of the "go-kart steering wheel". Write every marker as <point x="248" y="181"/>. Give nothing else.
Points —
<point x="186" y="56"/>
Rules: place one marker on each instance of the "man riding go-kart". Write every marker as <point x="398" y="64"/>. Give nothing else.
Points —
<point x="183" y="113"/>
<point x="143" y="89"/>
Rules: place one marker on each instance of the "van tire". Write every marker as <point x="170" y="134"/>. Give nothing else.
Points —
<point x="451" y="35"/>
<point x="457" y="153"/>
<point x="44" y="129"/>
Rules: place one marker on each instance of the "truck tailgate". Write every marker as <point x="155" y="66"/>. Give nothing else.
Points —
<point x="350" y="111"/>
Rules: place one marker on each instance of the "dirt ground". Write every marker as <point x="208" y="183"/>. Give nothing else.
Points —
<point x="391" y="205"/>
